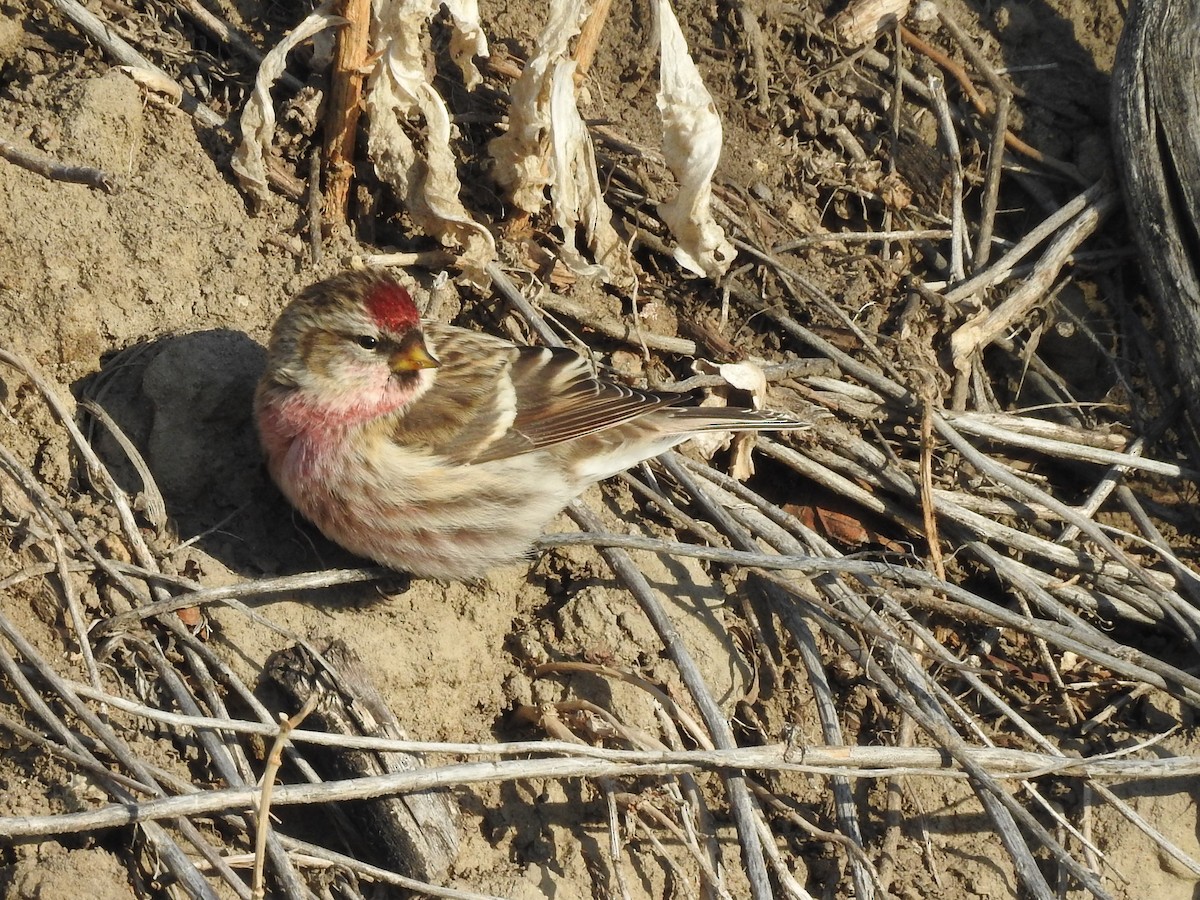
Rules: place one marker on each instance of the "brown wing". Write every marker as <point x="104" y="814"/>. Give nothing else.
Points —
<point x="559" y="398"/>
<point x="469" y="406"/>
<point x="492" y="400"/>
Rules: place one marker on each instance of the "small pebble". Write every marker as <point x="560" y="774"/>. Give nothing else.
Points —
<point x="923" y="14"/>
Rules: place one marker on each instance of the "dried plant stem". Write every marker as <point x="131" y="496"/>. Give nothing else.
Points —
<point x="621" y="331"/>
<point x="24" y="479"/>
<point x="226" y="33"/>
<point x="71" y="596"/>
<point x="169" y="852"/>
<point x="751" y="33"/>
<point x="991" y="183"/>
<point x="116" y="47"/>
<point x="222" y="755"/>
<point x="718" y="726"/>
<point x="927" y="496"/>
<point x="47" y="167"/>
<point x="589" y="38"/>
<point x="341" y="118"/>
<point x="892" y="811"/>
<point x="653" y="815"/>
<point x="861" y="237"/>
<point x="741" y="804"/>
<point x="978" y="332"/>
<point x="958" y="224"/>
<point x="426" y="258"/>
<point x="594" y="762"/>
<point x="263" y="813"/>
<point x="198" y="596"/>
<point x="1001" y="270"/>
<point x="153" y="505"/>
<point x="995" y="156"/>
<point x="380" y="875"/>
<point x="694" y="729"/>
<point x="1011" y="141"/>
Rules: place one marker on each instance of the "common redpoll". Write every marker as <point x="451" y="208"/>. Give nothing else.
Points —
<point x="441" y="451"/>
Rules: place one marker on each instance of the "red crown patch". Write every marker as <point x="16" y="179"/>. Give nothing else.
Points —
<point x="392" y="307"/>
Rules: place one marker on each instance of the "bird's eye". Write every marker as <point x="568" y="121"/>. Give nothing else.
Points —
<point x="367" y="342"/>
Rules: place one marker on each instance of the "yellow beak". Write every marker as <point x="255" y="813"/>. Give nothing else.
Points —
<point x="412" y="357"/>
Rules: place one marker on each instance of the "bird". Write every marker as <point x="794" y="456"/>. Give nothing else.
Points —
<point x="441" y="451"/>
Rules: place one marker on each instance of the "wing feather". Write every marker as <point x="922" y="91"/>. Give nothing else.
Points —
<point x="491" y="400"/>
<point x="470" y="405"/>
<point x="560" y="399"/>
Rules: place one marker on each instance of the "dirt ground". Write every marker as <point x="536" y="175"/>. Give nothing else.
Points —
<point x="176" y="266"/>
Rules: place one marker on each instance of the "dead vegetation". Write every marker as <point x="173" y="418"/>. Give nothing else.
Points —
<point x="977" y="565"/>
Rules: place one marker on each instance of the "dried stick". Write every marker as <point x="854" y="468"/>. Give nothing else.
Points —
<point x="994" y="428"/>
<point x="96" y="468"/>
<point x="967" y="717"/>
<point x="514" y="296"/>
<point x="618" y="330"/>
<point x="312" y="203"/>
<point x="806" y="645"/>
<point x="911" y="694"/>
<point x="861" y="237"/>
<point x="48" y="167"/>
<point x="739" y="796"/>
<point x="263" y="813"/>
<point x="1172" y="603"/>
<point x="226" y="33"/>
<point x="927" y="496"/>
<point x="170" y="852"/>
<point x="223" y="756"/>
<point x="860" y="762"/>
<point x="220" y="754"/>
<point x="426" y="258"/>
<point x="153" y="504"/>
<point x="958" y="225"/>
<point x="653" y="815"/>
<point x="1186" y="576"/>
<point x="24" y="479"/>
<point x="893" y="810"/>
<point x="751" y="33"/>
<point x="991" y="183"/>
<point x="258" y="588"/>
<point x="589" y="38"/>
<point x="995" y="158"/>
<point x="1147" y="828"/>
<point x="341" y="118"/>
<point x="978" y="332"/>
<point x="805" y="642"/>
<point x="83" y="760"/>
<point x="1002" y="269"/>
<point x="381" y="875"/>
<point x="714" y="718"/>
<point x="116" y="47"/>
<point x="1011" y="141"/>
<point x="1110" y="482"/>
<point x="71" y="596"/>
<point x="695" y="731"/>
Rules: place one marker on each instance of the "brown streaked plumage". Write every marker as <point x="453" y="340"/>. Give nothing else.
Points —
<point x="441" y="451"/>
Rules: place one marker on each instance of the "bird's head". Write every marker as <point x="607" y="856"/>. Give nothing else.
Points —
<point x="352" y="340"/>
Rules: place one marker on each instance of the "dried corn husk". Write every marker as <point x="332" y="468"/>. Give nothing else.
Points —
<point x="258" y="116"/>
<point x="398" y="91"/>
<point x="522" y="154"/>
<point x="692" y="140"/>
<point x="547" y="147"/>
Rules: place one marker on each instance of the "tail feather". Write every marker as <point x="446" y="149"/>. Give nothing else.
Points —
<point x="680" y="419"/>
